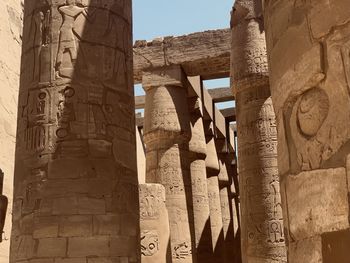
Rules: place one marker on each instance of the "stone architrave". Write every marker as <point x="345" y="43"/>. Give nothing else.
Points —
<point x="309" y="58"/>
<point x="213" y="170"/>
<point x="166" y="135"/>
<point x="76" y="189"/>
<point x="261" y="211"/>
<point x="197" y="155"/>
<point x="154" y="224"/>
<point x="225" y="182"/>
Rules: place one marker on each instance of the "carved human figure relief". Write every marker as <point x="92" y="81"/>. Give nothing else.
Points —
<point x="40" y="37"/>
<point x="67" y="42"/>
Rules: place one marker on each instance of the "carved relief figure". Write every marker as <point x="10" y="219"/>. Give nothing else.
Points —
<point x="308" y="115"/>
<point x="67" y="42"/>
<point x="40" y="36"/>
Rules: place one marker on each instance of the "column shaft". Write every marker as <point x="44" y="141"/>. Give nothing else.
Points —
<point x="197" y="155"/>
<point x="167" y="132"/>
<point x="213" y="170"/>
<point x="261" y="212"/>
<point x="154" y="224"/>
<point x="76" y="188"/>
<point x="310" y="86"/>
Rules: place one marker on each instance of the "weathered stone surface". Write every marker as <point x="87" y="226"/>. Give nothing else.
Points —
<point x="10" y="44"/>
<point x="97" y="246"/>
<point x="311" y="95"/>
<point x="205" y="53"/>
<point x="75" y="126"/>
<point x="306" y="250"/>
<point x="262" y="231"/>
<point x="52" y="247"/>
<point x="325" y="206"/>
<point x="154" y="224"/>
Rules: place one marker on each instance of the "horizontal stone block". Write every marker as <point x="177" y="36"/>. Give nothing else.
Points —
<point x="45" y="227"/>
<point x="103" y="260"/>
<point x="106" y="224"/>
<point x="51" y="247"/>
<point x="42" y="260"/>
<point x="91" y="206"/>
<point x="124" y="246"/>
<point x="71" y="226"/>
<point x="88" y="246"/>
<point x="317" y="202"/>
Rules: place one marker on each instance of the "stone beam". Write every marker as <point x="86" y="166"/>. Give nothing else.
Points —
<point x="229" y="114"/>
<point x="205" y="54"/>
<point x="221" y="94"/>
<point x="217" y="94"/>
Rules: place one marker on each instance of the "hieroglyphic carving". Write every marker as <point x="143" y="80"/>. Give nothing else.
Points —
<point x="150" y="203"/>
<point x="72" y="132"/>
<point x="149" y="243"/>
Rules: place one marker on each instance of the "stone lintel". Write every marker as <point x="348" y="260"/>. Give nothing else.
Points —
<point x="166" y="76"/>
<point x="203" y="53"/>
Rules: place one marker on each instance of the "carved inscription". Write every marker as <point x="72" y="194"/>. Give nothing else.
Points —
<point x="149" y="243"/>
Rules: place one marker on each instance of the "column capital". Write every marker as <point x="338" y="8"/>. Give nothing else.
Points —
<point x="165" y="76"/>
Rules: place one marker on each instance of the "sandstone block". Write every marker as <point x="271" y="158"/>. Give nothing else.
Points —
<point x="71" y="226"/>
<point x="317" y="202"/>
<point x="45" y="227"/>
<point x="52" y="247"/>
<point x="306" y="250"/>
<point x="106" y="224"/>
<point x="123" y="246"/>
<point x="88" y="246"/>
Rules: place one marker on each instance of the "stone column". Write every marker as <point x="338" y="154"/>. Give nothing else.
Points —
<point x="261" y="211"/>
<point x="197" y="155"/>
<point x="213" y="169"/>
<point x="10" y="60"/>
<point x="166" y="134"/>
<point x="225" y="181"/>
<point x="76" y="189"/>
<point x="310" y="86"/>
<point x="154" y="224"/>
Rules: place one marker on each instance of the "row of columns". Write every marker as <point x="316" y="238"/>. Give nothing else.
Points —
<point x="184" y="156"/>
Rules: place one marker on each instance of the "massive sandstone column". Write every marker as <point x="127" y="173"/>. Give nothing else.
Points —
<point x="167" y="133"/>
<point x="213" y="169"/>
<point x="261" y="212"/>
<point x="154" y="224"/>
<point x="10" y="58"/>
<point x="76" y="189"/>
<point x="225" y="181"/>
<point x="197" y="155"/>
<point x="309" y="55"/>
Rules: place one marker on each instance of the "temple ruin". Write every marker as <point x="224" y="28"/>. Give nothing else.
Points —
<point x="86" y="178"/>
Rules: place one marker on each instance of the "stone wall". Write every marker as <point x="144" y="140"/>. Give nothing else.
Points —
<point x="10" y="46"/>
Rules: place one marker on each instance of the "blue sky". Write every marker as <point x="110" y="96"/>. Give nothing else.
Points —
<point x="156" y="18"/>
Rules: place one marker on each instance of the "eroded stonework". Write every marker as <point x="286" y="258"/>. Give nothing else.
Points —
<point x="76" y="192"/>
<point x="263" y="238"/>
<point x="310" y="92"/>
